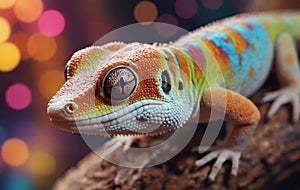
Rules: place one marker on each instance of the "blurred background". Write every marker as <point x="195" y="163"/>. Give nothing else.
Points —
<point x="37" y="37"/>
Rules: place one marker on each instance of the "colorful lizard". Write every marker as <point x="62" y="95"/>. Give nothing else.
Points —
<point x="126" y="89"/>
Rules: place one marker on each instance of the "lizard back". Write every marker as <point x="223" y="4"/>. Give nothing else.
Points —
<point x="241" y="46"/>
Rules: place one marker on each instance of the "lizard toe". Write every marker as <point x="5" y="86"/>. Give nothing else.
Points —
<point x="281" y="97"/>
<point x="221" y="156"/>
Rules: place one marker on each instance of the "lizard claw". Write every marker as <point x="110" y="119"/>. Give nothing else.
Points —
<point x="221" y="156"/>
<point x="281" y="97"/>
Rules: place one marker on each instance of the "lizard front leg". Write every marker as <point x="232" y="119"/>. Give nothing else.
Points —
<point x="288" y="74"/>
<point x="241" y="114"/>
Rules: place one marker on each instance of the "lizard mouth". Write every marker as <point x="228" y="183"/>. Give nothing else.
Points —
<point x="131" y="119"/>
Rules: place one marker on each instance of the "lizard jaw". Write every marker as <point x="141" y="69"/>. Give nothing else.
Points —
<point x="143" y="117"/>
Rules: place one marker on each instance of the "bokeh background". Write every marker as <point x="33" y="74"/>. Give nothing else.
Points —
<point x="37" y="37"/>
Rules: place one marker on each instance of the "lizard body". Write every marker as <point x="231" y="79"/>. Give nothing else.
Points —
<point x="127" y="89"/>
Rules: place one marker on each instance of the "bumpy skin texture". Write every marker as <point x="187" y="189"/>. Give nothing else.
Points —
<point x="129" y="89"/>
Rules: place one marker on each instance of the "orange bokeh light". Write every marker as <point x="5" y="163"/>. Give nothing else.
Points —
<point x="40" y="47"/>
<point x="28" y="10"/>
<point x="50" y="82"/>
<point x="14" y="152"/>
<point x="145" y="11"/>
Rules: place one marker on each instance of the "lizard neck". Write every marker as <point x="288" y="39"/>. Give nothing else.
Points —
<point x="201" y="62"/>
<point x="187" y="64"/>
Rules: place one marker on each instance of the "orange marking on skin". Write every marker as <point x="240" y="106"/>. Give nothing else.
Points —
<point x="253" y="48"/>
<point x="254" y="40"/>
<point x="251" y="73"/>
<point x="182" y="61"/>
<point x="290" y="59"/>
<point x="220" y="55"/>
<point x="148" y="87"/>
<point x="239" y="42"/>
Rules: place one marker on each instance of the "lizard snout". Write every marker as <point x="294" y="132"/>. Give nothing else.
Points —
<point x="62" y="111"/>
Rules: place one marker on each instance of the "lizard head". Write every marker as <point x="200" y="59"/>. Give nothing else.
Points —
<point x="120" y="89"/>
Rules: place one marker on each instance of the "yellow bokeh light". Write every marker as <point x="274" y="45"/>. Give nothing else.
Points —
<point x="50" y="82"/>
<point x="41" y="163"/>
<point x="9" y="57"/>
<point x="40" y="47"/>
<point x="20" y="38"/>
<point x="28" y="10"/>
<point x="5" y="4"/>
<point x="14" y="152"/>
<point x="145" y="11"/>
<point x="5" y="29"/>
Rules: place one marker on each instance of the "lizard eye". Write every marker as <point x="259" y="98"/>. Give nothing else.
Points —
<point x="66" y="72"/>
<point x="166" y="82"/>
<point x="119" y="83"/>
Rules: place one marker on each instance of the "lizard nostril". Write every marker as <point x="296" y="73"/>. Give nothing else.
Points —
<point x="71" y="107"/>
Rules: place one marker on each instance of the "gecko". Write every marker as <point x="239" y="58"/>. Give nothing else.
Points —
<point x="127" y="88"/>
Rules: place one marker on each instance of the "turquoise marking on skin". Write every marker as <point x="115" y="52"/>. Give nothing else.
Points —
<point x="166" y="57"/>
<point x="219" y="39"/>
<point x="176" y="61"/>
<point x="260" y="34"/>
<point x="164" y="54"/>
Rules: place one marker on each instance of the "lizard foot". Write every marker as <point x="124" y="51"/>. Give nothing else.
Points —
<point x="281" y="97"/>
<point x="221" y="156"/>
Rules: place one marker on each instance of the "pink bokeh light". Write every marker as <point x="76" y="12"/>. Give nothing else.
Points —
<point x="166" y="30"/>
<point x="212" y="5"/>
<point x="186" y="9"/>
<point x="51" y="23"/>
<point x="18" y="96"/>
